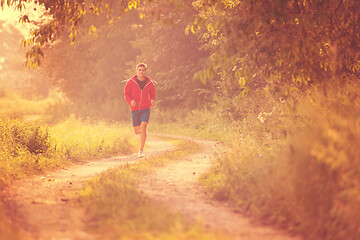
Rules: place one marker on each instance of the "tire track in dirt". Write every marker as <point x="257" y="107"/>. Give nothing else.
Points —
<point x="176" y="186"/>
<point x="45" y="205"/>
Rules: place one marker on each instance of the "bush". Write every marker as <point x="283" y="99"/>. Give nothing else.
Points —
<point x="299" y="169"/>
<point x="326" y="160"/>
<point x="17" y="136"/>
<point x="28" y="148"/>
<point x="23" y="145"/>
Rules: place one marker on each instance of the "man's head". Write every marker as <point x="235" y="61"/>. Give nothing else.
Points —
<point x="141" y="69"/>
<point x="141" y="65"/>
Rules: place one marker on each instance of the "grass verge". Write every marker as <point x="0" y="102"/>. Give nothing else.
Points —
<point x="298" y="169"/>
<point x="14" y="104"/>
<point x="29" y="148"/>
<point x="117" y="210"/>
<point x="294" y="163"/>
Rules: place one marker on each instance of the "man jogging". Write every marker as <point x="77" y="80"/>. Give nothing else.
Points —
<point x="139" y="93"/>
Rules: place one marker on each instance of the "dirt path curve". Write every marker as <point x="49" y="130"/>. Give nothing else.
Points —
<point x="47" y="210"/>
<point x="45" y="204"/>
<point x="176" y="186"/>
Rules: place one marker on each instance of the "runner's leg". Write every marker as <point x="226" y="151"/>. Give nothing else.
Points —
<point x="135" y="117"/>
<point x="137" y="130"/>
<point x="145" y="116"/>
<point x="142" y="135"/>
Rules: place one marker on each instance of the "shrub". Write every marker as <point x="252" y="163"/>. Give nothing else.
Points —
<point x="299" y="169"/>
<point x="31" y="147"/>
<point x="19" y="135"/>
<point x="326" y="160"/>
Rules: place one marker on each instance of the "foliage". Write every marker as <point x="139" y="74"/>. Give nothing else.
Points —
<point x="326" y="154"/>
<point x="23" y="146"/>
<point x="298" y="170"/>
<point x="284" y="44"/>
<point x="12" y="103"/>
<point x="91" y="73"/>
<point x="196" y="123"/>
<point x="12" y="74"/>
<point x="116" y="209"/>
<point x="61" y="16"/>
<point x="272" y="68"/>
<point x="173" y="57"/>
<point x="82" y="140"/>
<point x="29" y="148"/>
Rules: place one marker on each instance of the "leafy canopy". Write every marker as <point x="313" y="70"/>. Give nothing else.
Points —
<point x="278" y="42"/>
<point x="60" y="16"/>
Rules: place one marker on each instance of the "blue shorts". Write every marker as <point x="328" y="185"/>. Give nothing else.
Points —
<point x="139" y="116"/>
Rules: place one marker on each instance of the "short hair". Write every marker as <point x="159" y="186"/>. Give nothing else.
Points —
<point x="141" y="65"/>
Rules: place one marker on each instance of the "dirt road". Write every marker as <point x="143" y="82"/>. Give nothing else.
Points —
<point x="177" y="187"/>
<point x="45" y="204"/>
<point x="47" y="211"/>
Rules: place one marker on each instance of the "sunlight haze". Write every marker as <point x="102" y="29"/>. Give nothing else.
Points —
<point x="11" y="16"/>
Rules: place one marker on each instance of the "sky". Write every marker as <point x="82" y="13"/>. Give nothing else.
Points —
<point x="12" y="56"/>
<point x="10" y="16"/>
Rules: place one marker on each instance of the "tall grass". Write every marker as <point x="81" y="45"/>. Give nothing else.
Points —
<point x="82" y="140"/>
<point x="201" y="123"/>
<point x="33" y="147"/>
<point x="13" y="104"/>
<point x="117" y="210"/>
<point x="110" y="109"/>
<point x="28" y="148"/>
<point x="299" y="170"/>
<point x="294" y="163"/>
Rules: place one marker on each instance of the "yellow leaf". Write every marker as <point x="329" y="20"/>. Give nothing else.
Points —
<point x="92" y="31"/>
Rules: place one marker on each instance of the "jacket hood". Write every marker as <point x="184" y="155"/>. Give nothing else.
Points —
<point x="148" y="79"/>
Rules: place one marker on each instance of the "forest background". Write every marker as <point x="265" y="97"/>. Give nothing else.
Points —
<point x="277" y="80"/>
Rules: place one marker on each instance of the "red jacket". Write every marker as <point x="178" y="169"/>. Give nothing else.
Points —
<point x="143" y="97"/>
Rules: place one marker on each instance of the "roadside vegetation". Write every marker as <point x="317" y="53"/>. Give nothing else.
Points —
<point x="117" y="210"/>
<point x="276" y="80"/>
<point x="29" y="148"/>
<point x="35" y="147"/>
<point x="14" y="105"/>
<point x="293" y="163"/>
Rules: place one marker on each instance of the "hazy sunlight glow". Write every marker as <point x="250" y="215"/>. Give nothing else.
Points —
<point x="11" y="17"/>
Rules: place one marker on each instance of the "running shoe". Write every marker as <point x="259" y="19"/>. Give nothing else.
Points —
<point x="141" y="154"/>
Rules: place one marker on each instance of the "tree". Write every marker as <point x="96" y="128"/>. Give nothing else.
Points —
<point x="12" y="74"/>
<point x="174" y="58"/>
<point x="62" y="16"/>
<point x="91" y="71"/>
<point x="285" y="44"/>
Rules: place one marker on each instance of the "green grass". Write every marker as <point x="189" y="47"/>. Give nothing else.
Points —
<point x="299" y="170"/>
<point x="197" y="123"/>
<point x="292" y="164"/>
<point x="29" y="148"/>
<point x="117" y="210"/>
<point x="13" y="104"/>
<point x="84" y="140"/>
